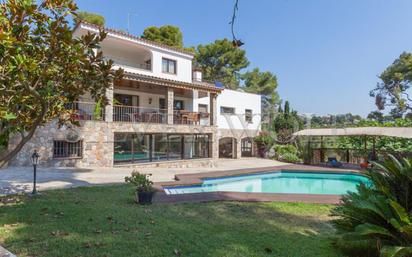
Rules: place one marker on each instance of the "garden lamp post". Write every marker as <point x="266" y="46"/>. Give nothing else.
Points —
<point x="34" y="160"/>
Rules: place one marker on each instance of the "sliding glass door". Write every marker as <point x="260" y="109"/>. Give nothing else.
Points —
<point x="131" y="148"/>
<point x="136" y="148"/>
<point x="175" y="147"/>
<point x="159" y="147"/>
<point x="196" y="146"/>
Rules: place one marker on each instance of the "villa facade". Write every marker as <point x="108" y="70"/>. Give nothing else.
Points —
<point x="161" y="112"/>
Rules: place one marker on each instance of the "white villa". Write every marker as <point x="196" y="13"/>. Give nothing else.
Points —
<point x="160" y="113"/>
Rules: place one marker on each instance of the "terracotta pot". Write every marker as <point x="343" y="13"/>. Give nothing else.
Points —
<point x="144" y="197"/>
<point x="364" y="165"/>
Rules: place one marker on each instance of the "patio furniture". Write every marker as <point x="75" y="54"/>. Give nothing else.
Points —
<point x="190" y="117"/>
<point x="332" y="161"/>
<point x="152" y="117"/>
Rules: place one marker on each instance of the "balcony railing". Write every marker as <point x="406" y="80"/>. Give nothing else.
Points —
<point x="121" y="113"/>
<point x="139" y="114"/>
<point x="86" y="111"/>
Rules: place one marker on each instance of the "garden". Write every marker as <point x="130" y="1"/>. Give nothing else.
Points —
<point x="105" y="221"/>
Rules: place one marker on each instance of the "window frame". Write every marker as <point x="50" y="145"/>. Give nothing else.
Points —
<point x="168" y="67"/>
<point x="176" y="102"/>
<point x="250" y="119"/>
<point x="66" y="149"/>
<point x="199" y="106"/>
<point x="230" y="113"/>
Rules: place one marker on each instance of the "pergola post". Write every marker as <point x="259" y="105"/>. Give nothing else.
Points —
<point x="322" y="157"/>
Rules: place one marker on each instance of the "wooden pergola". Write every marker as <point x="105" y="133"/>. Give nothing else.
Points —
<point x="399" y="132"/>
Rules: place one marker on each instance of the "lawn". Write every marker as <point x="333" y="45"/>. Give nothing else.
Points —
<point x="104" y="221"/>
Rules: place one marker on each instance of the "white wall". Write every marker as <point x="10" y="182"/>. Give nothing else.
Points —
<point x="118" y="42"/>
<point x="183" y="66"/>
<point x="240" y="101"/>
<point x="144" y="98"/>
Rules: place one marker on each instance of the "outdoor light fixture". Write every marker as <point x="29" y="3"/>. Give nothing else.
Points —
<point x="237" y="43"/>
<point x="34" y="160"/>
<point x="150" y="100"/>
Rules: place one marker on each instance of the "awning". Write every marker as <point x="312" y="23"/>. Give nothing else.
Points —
<point x="402" y="132"/>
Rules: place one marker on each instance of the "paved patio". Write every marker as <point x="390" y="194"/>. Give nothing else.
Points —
<point x="19" y="179"/>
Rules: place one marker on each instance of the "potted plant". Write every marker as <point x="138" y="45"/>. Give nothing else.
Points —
<point x="144" y="187"/>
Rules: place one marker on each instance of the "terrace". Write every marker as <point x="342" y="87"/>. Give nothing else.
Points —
<point x="137" y="102"/>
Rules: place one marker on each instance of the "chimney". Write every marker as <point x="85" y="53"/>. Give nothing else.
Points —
<point x="197" y="74"/>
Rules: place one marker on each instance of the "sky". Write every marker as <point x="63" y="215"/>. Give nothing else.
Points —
<point x="326" y="54"/>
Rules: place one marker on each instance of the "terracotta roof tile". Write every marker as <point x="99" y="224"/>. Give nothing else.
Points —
<point x="170" y="82"/>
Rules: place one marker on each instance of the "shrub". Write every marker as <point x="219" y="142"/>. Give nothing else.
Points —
<point x="282" y="149"/>
<point x="98" y="110"/>
<point x="287" y="153"/>
<point x="290" y="157"/>
<point x="305" y="151"/>
<point x="140" y="181"/>
<point x="264" y="140"/>
<point x="377" y="220"/>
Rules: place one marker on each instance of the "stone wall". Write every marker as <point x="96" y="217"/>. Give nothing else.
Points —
<point x="97" y="145"/>
<point x="98" y="141"/>
<point x="237" y="134"/>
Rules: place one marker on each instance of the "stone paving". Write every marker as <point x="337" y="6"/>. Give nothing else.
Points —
<point x="19" y="179"/>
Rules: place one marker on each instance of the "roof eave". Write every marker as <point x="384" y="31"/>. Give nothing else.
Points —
<point x="170" y="83"/>
<point x="119" y="34"/>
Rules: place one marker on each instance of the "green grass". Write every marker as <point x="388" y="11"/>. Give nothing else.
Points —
<point x="104" y="221"/>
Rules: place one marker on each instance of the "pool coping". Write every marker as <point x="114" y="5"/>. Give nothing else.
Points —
<point x="197" y="178"/>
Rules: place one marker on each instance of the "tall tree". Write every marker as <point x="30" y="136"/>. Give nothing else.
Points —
<point x="43" y="67"/>
<point x="286" y="122"/>
<point x="375" y="115"/>
<point x="89" y="17"/>
<point x="168" y="35"/>
<point x="265" y="84"/>
<point x="221" y="61"/>
<point x="395" y="89"/>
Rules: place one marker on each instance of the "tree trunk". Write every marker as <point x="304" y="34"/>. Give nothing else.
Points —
<point x="24" y="138"/>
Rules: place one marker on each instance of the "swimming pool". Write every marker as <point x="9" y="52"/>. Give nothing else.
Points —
<point x="286" y="182"/>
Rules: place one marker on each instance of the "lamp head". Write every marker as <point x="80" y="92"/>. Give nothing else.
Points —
<point x="35" y="158"/>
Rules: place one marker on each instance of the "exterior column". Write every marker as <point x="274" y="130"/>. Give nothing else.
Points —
<point x="169" y="105"/>
<point x="108" y="110"/>
<point x="238" y="148"/>
<point x="213" y="109"/>
<point x="195" y="107"/>
<point x="214" y="145"/>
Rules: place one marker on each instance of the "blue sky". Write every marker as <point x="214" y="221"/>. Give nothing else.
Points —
<point x="326" y="54"/>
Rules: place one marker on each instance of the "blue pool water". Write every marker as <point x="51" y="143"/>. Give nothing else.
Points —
<point x="289" y="182"/>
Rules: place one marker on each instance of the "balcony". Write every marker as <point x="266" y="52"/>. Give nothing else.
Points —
<point x="156" y="115"/>
<point x="129" y="64"/>
<point x="91" y="111"/>
<point x="139" y="114"/>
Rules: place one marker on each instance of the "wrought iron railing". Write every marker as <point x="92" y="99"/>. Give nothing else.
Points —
<point x="139" y="114"/>
<point x="121" y="113"/>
